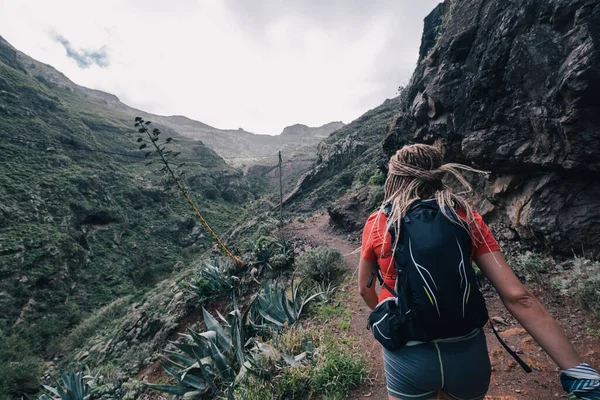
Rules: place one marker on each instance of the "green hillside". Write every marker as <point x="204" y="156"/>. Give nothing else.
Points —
<point x="83" y="220"/>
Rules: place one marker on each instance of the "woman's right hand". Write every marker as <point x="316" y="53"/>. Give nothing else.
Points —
<point x="581" y="382"/>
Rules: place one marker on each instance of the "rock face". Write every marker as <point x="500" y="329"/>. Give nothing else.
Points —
<point x="513" y="88"/>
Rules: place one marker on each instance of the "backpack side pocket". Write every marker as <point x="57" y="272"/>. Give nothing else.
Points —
<point x="385" y="321"/>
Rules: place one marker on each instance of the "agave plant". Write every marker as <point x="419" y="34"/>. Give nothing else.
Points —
<point x="327" y="291"/>
<point x="74" y="387"/>
<point x="215" y="360"/>
<point x="213" y="279"/>
<point x="273" y="308"/>
<point x="270" y="252"/>
<point x="209" y="361"/>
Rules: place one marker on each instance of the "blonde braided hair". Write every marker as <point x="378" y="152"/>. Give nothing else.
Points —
<point x="416" y="172"/>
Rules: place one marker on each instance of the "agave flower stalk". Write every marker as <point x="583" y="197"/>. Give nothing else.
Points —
<point x="143" y="127"/>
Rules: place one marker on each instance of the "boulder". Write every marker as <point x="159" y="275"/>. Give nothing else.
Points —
<point x="350" y="212"/>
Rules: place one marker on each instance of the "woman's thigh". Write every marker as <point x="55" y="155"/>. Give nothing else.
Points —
<point x="443" y="370"/>
<point x="413" y="372"/>
<point x="466" y="367"/>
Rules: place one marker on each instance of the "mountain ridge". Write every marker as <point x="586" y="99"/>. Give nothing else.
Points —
<point x="231" y="144"/>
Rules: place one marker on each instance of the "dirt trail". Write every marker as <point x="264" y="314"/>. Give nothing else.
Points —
<point x="509" y="381"/>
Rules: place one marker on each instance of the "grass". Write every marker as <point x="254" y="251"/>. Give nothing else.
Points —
<point x="579" y="278"/>
<point x="99" y="319"/>
<point x="336" y="369"/>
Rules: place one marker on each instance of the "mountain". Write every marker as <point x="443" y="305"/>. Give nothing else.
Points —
<point x="346" y="160"/>
<point x="303" y="131"/>
<point x="83" y="219"/>
<point x="235" y="145"/>
<point x="243" y="148"/>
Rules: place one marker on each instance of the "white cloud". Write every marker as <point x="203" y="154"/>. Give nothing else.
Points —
<point x="259" y="65"/>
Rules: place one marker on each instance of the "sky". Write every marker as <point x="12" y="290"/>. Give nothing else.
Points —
<point x="259" y="65"/>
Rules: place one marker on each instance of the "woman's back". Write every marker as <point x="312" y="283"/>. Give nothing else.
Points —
<point x="417" y="370"/>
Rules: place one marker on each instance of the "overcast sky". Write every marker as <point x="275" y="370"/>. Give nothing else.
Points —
<point x="256" y="64"/>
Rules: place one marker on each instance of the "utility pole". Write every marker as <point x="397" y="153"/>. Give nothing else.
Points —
<point x="280" y="195"/>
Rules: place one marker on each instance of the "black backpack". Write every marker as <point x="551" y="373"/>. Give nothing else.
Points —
<point x="436" y="295"/>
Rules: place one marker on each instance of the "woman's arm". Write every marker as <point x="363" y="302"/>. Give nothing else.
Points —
<point x="365" y="269"/>
<point x="528" y="310"/>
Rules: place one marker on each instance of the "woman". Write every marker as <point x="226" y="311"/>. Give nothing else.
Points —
<point x="457" y="367"/>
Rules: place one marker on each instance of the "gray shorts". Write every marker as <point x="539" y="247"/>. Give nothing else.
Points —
<point x="459" y="367"/>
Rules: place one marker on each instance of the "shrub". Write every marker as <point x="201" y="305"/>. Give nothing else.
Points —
<point x="215" y="360"/>
<point x="581" y="282"/>
<point x="320" y="264"/>
<point x="266" y="227"/>
<point x="529" y="266"/>
<point x="586" y="281"/>
<point x="273" y="308"/>
<point x="75" y="386"/>
<point x="377" y="179"/>
<point x="19" y="368"/>
<point x="345" y="178"/>
<point x="271" y="252"/>
<point x="335" y="369"/>
<point x="375" y="198"/>
<point x="19" y="377"/>
<point x="89" y="326"/>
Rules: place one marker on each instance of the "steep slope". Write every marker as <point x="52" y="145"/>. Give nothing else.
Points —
<point x="513" y="89"/>
<point x="348" y="159"/>
<point x="83" y="220"/>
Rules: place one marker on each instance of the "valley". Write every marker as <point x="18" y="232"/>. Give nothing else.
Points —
<point x="106" y="270"/>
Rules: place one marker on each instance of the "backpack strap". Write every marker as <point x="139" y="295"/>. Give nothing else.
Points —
<point x="514" y="355"/>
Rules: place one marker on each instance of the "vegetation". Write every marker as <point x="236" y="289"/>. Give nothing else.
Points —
<point x="270" y="252"/>
<point x="74" y="387"/>
<point x="83" y="220"/>
<point x="208" y="361"/>
<point x="274" y="309"/>
<point x="377" y="179"/>
<point x="320" y="264"/>
<point x="334" y="370"/>
<point x="528" y="267"/>
<point x="213" y="279"/>
<point x="218" y="359"/>
<point x="167" y="158"/>
<point x="20" y="370"/>
<point x="581" y="281"/>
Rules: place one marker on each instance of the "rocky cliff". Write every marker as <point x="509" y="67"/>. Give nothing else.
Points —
<point x="513" y="88"/>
